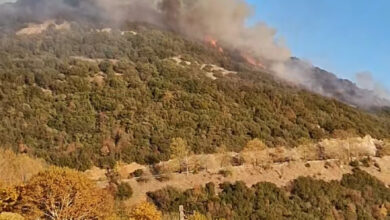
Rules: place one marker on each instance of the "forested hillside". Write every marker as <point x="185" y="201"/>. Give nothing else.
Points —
<point x="85" y="96"/>
<point x="356" y="196"/>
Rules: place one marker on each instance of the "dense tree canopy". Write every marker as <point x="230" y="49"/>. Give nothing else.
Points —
<point x="356" y="196"/>
<point x="82" y="97"/>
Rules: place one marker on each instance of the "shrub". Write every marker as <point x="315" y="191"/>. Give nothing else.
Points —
<point x="197" y="216"/>
<point x="124" y="191"/>
<point x="371" y="188"/>
<point x="138" y="173"/>
<point x="366" y="161"/>
<point x="238" y="160"/>
<point x="9" y="197"/>
<point x="354" y="163"/>
<point x="225" y="173"/>
<point x="255" y="145"/>
<point x="144" y="211"/>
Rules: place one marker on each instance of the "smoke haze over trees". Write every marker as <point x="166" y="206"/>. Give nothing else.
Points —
<point x="223" y="20"/>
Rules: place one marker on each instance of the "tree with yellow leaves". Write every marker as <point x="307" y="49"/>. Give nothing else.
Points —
<point x="252" y="149"/>
<point x="18" y="168"/>
<point x="197" y="216"/>
<point x="10" y="216"/>
<point x="180" y="151"/>
<point x="64" y="194"/>
<point x="255" y="145"/>
<point x="9" y="198"/>
<point x="145" y="211"/>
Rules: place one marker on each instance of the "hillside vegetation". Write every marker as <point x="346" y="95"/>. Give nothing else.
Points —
<point x="83" y="97"/>
<point x="356" y="196"/>
<point x="322" y="192"/>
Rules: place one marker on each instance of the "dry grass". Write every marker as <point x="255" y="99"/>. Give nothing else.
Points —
<point x="308" y="152"/>
<point x="40" y="28"/>
<point x="18" y="168"/>
<point x="345" y="149"/>
<point x="384" y="148"/>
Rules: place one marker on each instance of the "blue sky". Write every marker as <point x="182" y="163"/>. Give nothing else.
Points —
<point x="342" y="36"/>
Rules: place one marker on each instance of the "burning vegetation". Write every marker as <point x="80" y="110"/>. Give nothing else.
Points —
<point x="221" y="23"/>
<point x="214" y="43"/>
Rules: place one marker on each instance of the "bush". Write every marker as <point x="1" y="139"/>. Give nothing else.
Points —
<point x="145" y="211"/>
<point x="354" y="163"/>
<point x="197" y="216"/>
<point x="225" y="173"/>
<point x="124" y="191"/>
<point x="255" y="145"/>
<point x="238" y="161"/>
<point x="366" y="161"/>
<point x="372" y="189"/>
<point x="138" y="173"/>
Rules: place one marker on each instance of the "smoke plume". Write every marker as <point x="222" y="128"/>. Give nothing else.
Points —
<point x="223" y="20"/>
<point x="366" y="81"/>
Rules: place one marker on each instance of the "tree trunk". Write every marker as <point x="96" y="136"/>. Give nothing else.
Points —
<point x="187" y="169"/>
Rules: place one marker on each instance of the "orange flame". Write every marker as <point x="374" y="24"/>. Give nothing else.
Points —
<point x="252" y="61"/>
<point x="213" y="42"/>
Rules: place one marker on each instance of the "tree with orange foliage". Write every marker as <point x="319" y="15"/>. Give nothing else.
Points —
<point x="9" y="198"/>
<point x="64" y="194"/>
<point x="145" y="211"/>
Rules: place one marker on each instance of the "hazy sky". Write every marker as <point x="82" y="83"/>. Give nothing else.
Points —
<point x="343" y="36"/>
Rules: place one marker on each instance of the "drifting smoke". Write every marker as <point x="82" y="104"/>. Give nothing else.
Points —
<point x="366" y="94"/>
<point x="224" y="21"/>
<point x="365" y="81"/>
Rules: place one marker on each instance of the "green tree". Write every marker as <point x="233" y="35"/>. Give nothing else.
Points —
<point x="124" y="191"/>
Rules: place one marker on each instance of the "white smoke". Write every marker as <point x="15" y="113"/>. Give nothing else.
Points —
<point x="365" y="80"/>
<point x="223" y="20"/>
